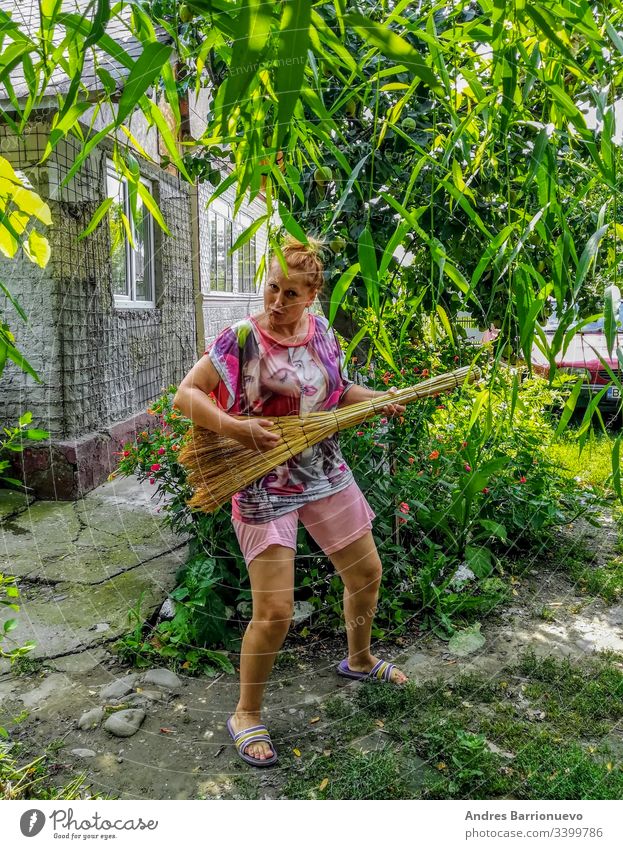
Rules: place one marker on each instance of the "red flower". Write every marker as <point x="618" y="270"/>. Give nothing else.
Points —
<point x="425" y="372"/>
<point x="433" y="455"/>
<point x="467" y="467"/>
<point x="359" y="433"/>
<point x="485" y="490"/>
<point x="161" y="451"/>
<point x="401" y="521"/>
<point x="383" y="420"/>
<point x="175" y="448"/>
<point x="387" y="377"/>
<point x="156" y="467"/>
<point x="441" y="407"/>
<point x="522" y="479"/>
<point x="411" y="460"/>
<point x="416" y="369"/>
<point x="152" y="480"/>
<point x="456" y="359"/>
<point x="126" y="453"/>
<point x="463" y="444"/>
<point x="404" y="507"/>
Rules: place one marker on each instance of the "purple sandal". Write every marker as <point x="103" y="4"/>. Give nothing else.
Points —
<point x="253" y="734"/>
<point x="382" y="671"/>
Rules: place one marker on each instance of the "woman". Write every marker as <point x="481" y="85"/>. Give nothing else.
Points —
<point x="301" y="369"/>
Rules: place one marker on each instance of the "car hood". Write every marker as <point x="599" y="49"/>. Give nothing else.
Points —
<point x="582" y="352"/>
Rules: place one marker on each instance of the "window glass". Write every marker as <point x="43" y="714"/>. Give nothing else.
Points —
<point x="142" y="252"/>
<point x="118" y="241"/>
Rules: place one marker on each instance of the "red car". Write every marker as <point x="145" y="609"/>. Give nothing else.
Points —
<point x="581" y="358"/>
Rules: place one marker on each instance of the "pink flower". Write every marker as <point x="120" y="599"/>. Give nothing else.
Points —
<point x="161" y="451"/>
<point x="485" y="490"/>
<point x="383" y="420"/>
<point x="404" y="507"/>
<point x="467" y="467"/>
<point x="401" y="521"/>
<point x="359" y="433"/>
<point x="156" y="467"/>
<point x="152" y="480"/>
<point x="522" y="479"/>
<point x="411" y="460"/>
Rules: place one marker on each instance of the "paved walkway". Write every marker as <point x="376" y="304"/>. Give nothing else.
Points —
<point x="82" y="565"/>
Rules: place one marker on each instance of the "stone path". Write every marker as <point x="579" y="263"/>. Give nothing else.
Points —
<point x="82" y="566"/>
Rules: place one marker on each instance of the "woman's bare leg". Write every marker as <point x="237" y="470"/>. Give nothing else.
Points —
<point x="359" y="567"/>
<point x="272" y="588"/>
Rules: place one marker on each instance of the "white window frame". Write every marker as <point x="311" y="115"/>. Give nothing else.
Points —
<point x="221" y="209"/>
<point x="248" y="251"/>
<point x="131" y="301"/>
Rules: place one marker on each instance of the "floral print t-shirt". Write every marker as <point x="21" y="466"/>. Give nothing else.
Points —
<point x="262" y="376"/>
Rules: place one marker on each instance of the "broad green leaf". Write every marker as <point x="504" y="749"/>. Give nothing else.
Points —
<point x="99" y="213"/>
<point x="37" y="248"/>
<point x="147" y="67"/>
<point x="393" y="46"/>
<point x="292" y="60"/>
<point x="569" y="407"/>
<point x="248" y="233"/>
<point x="291" y="224"/>
<point x="368" y="267"/>
<point x="340" y="289"/>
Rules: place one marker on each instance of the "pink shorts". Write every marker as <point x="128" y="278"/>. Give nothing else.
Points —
<point x="333" y="522"/>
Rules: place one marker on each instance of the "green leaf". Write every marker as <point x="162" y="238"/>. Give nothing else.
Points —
<point x="37" y="248"/>
<point x="25" y="419"/>
<point x="368" y="267"/>
<point x="394" y="47"/>
<point x="616" y="467"/>
<point x="291" y="224"/>
<point x="247" y="234"/>
<point x="494" y="529"/>
<point x="292" y="60"/>
<point x="569" y="407"/>
<point x="145" y="70"/>
<point x="99" y="213"/>
<point x="588" y="255"/>
<point x="611" y="315"/>
<point x="36" y="433"/>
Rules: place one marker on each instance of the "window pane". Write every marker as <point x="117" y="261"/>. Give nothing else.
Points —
<point x="229" y="274"/>
<point x="213" y="249"/>
<point x="142" y="253"/>
<point x="117" y="236"/>
<point x="220" y="254"/>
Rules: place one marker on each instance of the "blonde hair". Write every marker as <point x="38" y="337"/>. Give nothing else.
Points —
<point x="304" y="259"/>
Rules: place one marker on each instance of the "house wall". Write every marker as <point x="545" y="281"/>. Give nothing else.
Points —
<point x="101" y="365"/>
<point x="221" y="309"/>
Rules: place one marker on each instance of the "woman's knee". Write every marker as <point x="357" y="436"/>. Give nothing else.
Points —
<point x="365" y="575"/>
<point x="273" y="615"/>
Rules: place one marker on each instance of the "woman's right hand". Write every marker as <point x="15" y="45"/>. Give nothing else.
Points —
<point x="252" y="433"/>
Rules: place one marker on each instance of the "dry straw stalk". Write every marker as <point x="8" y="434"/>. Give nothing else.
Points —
<point x="219" y="466"/>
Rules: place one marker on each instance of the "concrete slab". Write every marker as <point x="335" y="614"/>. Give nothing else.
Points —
<point x="12" y="503"/>
<point x="82" y="542"/>
<point x="85" y="616"/>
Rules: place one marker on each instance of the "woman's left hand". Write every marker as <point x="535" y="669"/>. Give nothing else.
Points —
<point x="392" y="410"/>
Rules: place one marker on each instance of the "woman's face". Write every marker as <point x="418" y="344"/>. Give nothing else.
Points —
<point x="284" y="381"/>
<point x="286" y="297"/>
<point x="307" y="371"/>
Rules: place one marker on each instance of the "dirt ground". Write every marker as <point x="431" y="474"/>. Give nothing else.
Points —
<point x="182" y="749"/>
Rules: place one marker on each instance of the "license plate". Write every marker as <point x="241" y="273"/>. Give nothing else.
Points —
<point x="613" y="392"/>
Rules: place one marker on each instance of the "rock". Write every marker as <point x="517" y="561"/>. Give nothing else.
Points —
<point x="302" y="611"/>
<point x="101" y="626"/>
<point x="78" y="663"/>
<point x="125" y="723"/>
<point x="167" y="611"/>
<point x="91" y="718"/>
<point x="118" y="689"/>
<point x="83" y="753"/>
<point x="145" y="697"/>
<point x="162" y="678"/>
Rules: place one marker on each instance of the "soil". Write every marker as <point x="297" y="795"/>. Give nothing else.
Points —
<point x="183" y="751"/>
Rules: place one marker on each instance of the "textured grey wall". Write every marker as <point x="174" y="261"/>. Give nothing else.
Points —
<point x="100" y="364"/>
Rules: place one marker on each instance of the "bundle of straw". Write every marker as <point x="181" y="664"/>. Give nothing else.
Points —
<point x="219" y="466"/>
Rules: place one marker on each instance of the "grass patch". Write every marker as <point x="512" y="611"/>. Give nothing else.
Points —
<point x="535" y="731"/>
<point x="592" y="466"/>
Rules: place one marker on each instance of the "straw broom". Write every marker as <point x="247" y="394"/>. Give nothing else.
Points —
<point x="219" y="466"/>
